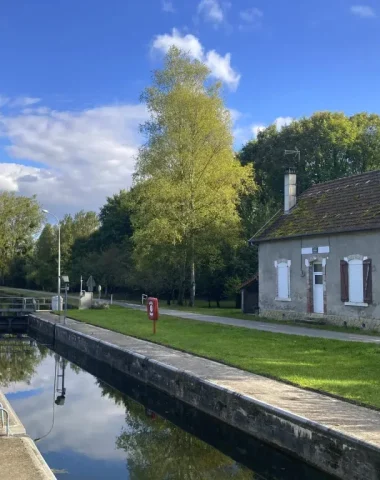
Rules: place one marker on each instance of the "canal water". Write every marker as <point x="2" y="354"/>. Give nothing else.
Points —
<point x="87" y="429"/>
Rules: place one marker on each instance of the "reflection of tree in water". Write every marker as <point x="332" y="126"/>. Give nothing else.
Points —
<point x="158" y="450"/>
<point x="19" y="358"/>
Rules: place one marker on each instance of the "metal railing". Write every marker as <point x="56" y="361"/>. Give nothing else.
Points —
<point x="17" y="304"/>
<point x="2" y="411"/>
<point x="24" y="304"/>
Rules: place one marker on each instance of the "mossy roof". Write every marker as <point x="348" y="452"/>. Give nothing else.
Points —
<point x="344" y="205"/>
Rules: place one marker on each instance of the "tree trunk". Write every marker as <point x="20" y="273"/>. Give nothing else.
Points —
<point x="181" y="290"/>
<point x="192" y="274"/>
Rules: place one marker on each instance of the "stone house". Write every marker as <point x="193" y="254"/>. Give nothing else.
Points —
<point x="320" y="257"/>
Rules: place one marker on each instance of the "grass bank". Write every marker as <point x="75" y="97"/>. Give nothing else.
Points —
<point x="226" y="309"/>
<point x="347" y="369"/>
<point x="229" y="312"/>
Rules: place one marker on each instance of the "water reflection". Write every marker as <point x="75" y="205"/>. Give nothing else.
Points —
<point x="59" y="390"/>
<point x="156" y="449"/>
<point x="19" y="359"/>
<point x="87" y="429"/>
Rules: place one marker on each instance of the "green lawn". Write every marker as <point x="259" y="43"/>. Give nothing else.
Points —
<point x="201" y="306"/>
<point x="226" y="310"/>
<point x="346" y="369"/>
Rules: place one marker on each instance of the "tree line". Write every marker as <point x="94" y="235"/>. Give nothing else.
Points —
<point x="181" y="231"/>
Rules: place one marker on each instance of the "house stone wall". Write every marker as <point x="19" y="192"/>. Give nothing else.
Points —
<point x="340" y="245"/>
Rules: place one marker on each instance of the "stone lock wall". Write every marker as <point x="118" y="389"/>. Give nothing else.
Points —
<point x="331" y="451"/>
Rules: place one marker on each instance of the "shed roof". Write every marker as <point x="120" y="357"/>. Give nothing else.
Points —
<point x="249" y="282"/>
<point x="344" y="205"/>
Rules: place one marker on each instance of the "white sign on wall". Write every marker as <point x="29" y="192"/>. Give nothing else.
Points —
<point x="315" y="250"/>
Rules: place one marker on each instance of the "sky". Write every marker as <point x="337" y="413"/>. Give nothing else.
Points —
<point x="72" y="73"/>
<point x="69" y="446"/>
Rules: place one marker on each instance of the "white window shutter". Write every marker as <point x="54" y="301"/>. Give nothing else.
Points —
<point x="355" y="281"/>
<point x="283" y="280"/>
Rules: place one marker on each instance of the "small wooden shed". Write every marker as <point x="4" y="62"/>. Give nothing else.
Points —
<point x="249" y="291"/>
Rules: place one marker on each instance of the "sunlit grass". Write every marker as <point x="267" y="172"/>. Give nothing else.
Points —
<point x="227" y="310"/>
<point x="347" y="369"/>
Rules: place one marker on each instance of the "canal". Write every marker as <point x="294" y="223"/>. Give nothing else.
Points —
<point x="89" y="422"/>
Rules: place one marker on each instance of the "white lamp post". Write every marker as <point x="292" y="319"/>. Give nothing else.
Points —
<point x="59" y="257"/>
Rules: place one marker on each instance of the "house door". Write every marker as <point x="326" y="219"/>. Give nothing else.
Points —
<point x="318" y="287"/>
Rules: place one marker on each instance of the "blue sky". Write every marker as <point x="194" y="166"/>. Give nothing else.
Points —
<point x="73" y="71"/>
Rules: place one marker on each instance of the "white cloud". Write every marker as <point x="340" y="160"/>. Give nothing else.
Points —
<point x="282" y="122"/>
<point x="82" y="407"/>
<point x="3" y="100"/>
<point x="7" y="180"/>
<point x="251" y="14"/>
<point x="86" y="155"/>
<point x="24" y="101"/>
<point x="188" y="43"/>
<point x="221" y="69"/>
<point x="219" y="65"/>
<point x="244" y="133"/>
<point x="256" y="129"/>
<point x="167" y="6"/>
<point x="363" y="11"/>
<point x="235" y="114"/>
<point x="211" y="11"/>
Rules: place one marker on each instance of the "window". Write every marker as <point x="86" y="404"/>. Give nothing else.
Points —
<point x="283" y="280"/>
<point x="356" y="280"/>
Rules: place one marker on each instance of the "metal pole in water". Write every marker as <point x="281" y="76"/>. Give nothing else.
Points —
<point x="64" y="318"/>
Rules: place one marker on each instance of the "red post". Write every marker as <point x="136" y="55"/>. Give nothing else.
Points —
<point x="152" y="310"/>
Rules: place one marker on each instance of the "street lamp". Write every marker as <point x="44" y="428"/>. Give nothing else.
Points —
<point x="59" y="257"/>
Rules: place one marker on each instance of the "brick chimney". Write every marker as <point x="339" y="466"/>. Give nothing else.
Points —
<point x="290" y="181"/>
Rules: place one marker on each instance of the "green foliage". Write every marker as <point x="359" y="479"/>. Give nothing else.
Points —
<point x="19" y="360"/>
<point x="43" y="271"/>
<point x="115" y="219"/>
<point x="188" y="181"/>
<point x="194" y="203"/>
<point x="331" y="146"/>
<point x="106" y="253"/>
<point x="156" y="449"/>
<point x="78" y="227"/>
<point x="20" y="220"/>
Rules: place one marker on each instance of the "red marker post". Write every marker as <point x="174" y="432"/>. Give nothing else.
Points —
<point x="152" y="309"/>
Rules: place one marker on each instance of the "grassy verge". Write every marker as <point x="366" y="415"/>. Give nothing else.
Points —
<point x="237" y="313"/>
<point x="201" y="306"/>
<point x="346" y="369"/>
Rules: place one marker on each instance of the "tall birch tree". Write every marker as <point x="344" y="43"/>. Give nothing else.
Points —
<point x="188" y="182"/>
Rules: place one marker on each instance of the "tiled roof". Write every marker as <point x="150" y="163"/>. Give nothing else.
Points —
<point x="343" y="205"/>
